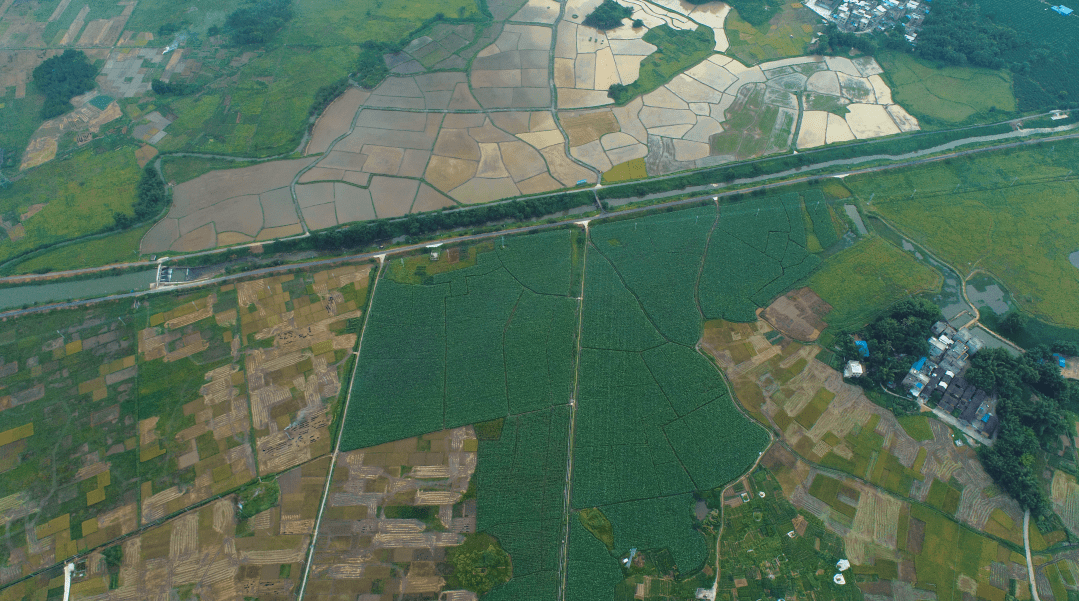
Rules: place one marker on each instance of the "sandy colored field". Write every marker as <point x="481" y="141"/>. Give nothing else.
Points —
<point x="798" y="314"/>
<point x="513" y="72"/>
<point x="223" y="201"/>
<point x="335" y="120"/>
<point x="689" y="112"/>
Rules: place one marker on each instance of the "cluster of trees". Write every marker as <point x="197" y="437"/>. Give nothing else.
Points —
<point x="61" y="78"/>
<point x="608" y="15"/>
<point x="895" y="340"/>
<point x="151" y="198"/>
<point x="257" y="23"/>
<point x="326" y="94"/>
<point x="834" y="41"/>
<point x="173" y="88"/>
<point x="957" y="33"/>
<point x="368" y="233"/>
<point x="1032" y="394"/>
<point x="755" y="12"/>
<point x="371" y="68"/>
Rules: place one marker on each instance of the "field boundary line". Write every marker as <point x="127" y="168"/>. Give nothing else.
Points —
<point x="567" y="508"/>
<point x="340" y="431"/>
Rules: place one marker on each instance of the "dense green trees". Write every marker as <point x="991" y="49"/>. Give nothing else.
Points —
<point x="61" y="78"/>
<point x="371" y="69"/>
<point x="958" y="33"/>
<point x="174" y="88"/>
<point x="364" y="234"/>
<point x="1031" y="392"/>
<point x="257" y="23"/>
<point x="152" y="198"/>
<point x="896" y="339"/>
<point x="608" y="15"/>
<point x="755" y="12"/>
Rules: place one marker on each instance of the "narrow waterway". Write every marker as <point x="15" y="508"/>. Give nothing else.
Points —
<point x="17" y="296"/>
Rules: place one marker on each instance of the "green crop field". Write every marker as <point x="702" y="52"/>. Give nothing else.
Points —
<point x="868" y="277"/>
<point x="760" y="254"/>
<point x="21" y="117"/>
<point x="917" y="427"/>
<point x="630" y="170"/>
<point x="484" y="341"/>
<point x="786" y="34"/>
<point x="519" y="482"/>
<point x="944" y="497"/>
<point x="82" y="194"/>
<point x="1009" y="213"/>
<point x="947" y="95"/>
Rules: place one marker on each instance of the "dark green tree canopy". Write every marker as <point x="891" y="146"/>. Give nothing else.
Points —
<point x="256" y="23"/>
<point x="608" y="15"/>
<point x="958" y="33"/>
<point x="61" y="78"/>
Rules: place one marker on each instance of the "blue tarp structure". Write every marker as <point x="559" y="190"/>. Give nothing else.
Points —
<point x="863" y="347"/>
<point x="1060" y="360"/>
<point x="1064" y="10"/>
<point x="918" y="365"/>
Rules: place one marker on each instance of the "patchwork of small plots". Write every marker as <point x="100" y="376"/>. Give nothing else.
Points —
<point x="215" y="552"/>
<point x="393" y="511"/>
<point x="832" y="423"/>
<point x="123" y="414"/>
<point x="720" y="111"/>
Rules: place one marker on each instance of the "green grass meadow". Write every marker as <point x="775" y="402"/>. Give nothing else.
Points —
<point x="1009" y="213"/>
<point x="866" y="278"/>
<point x="113" y="248"/>
<point x="787" y="34"/>
<point x="947" y="95"/>
<point x="83" y="192"/>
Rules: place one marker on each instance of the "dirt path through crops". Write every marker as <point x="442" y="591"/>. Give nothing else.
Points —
<point x="567" y="508"/>
<point x="341" y="430"/>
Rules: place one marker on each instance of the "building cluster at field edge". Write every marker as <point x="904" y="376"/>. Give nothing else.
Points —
<point x="867" y="15"/>
<point x="942" y="371"/>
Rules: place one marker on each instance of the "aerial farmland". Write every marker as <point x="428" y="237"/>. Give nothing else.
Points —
<point x="485" y="300"/>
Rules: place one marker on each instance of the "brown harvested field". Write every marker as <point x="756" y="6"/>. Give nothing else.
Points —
<point x="222" y="201"/>
<point x="278" y="209"/>
<point x="144" y="154"/>
<point x="393" y="197"/>
<point x="429" y="199"/>
<point x="271" y="233"/>
<point x="205" y="552"/>
<point x="309" y="195"/>
<point x="211" y="188"/>
<point x="198" y="239"/>
<point x="353" y="204"/>
<point x="590" y="126"/>
<point x="321" y="174"/>
<point x="798" y="314"/>
<point x="339" y="159"/>
<point x="335" y="120"/>
<point x="447" y="173"/>
<point x="320" y="216"/>
<point x="1065" y="498"/>
<point x="564" y="170"/>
